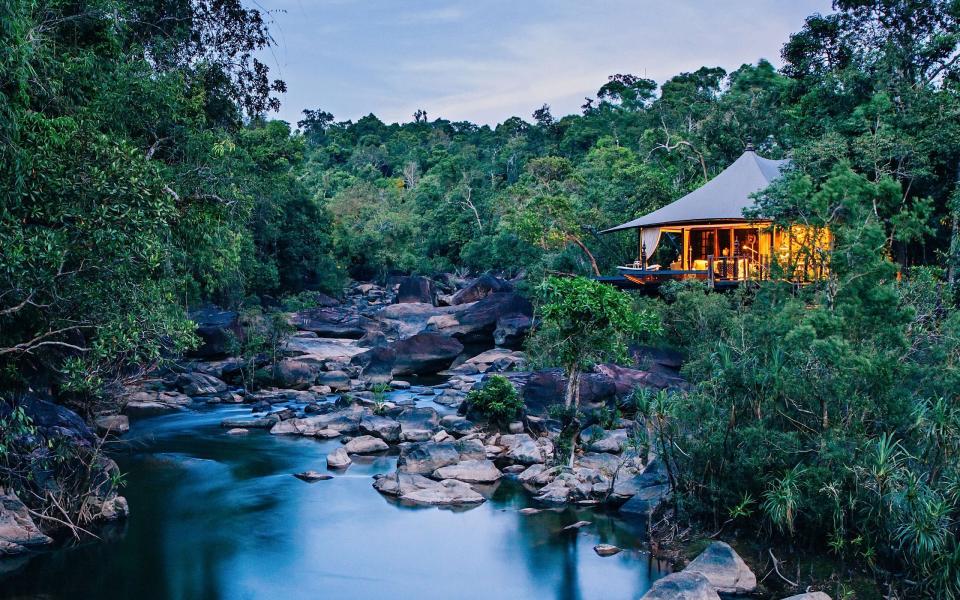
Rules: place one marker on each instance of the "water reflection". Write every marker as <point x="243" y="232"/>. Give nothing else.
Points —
<point x="218" y="516"/>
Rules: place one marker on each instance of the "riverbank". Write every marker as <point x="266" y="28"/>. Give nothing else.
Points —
<point x="376" y="387"/>
<point x="218" y="515"/>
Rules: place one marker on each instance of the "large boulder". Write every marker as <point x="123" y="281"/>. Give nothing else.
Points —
<point x="653" y="476"/>
<point x="426" y="457"/>
<point x="337" y="381"/>
<point x="457" y="425"/>
<point x="471" y="471"/>
<point x="404" y="320"/>
<point x="144" y="402"/>
<point x="345" y="421"/>
<point x="294" y="374"/>
<point x="682" y="586"/>
<point x="480" y="288"/>
<point x="332" y="322"/>
<point x="415" y="289"/>
<point x="51" y="420"/>
<point x="218" y="331"/>
<point x="112" y="424"/>
<point x="386" y="429"/>
<point x="376" y="364"/>
<point x="495" y="360"/>
<point x="625" y="380"/>
<point x="420" y="418"/>
<point x="600" y="462"/>
<point x="338" y="459"/>
<point x="200" y="384"/>
<point x="366" y="444"/>
<point x="421" y="490"/>
<point x="425" y="353"/>
<point x="422" y="354"/>
<point x="477" y="322"/>
<point x="511" y="330"/>
<point x="647" y="500"/>
<point x="724" y="568"/>
<point x="522" y="449"/>
<point x="264" y="422"/>
<point x="546" y="388"/>
<point x="596" y="439"/>
<point x="18" y="532"/>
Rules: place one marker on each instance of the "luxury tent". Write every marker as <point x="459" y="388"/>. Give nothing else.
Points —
<point x="705" y="235"/>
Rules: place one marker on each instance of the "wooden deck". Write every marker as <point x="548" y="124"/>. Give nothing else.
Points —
<point x="652" y="285"/>
<point x="721" y="274"/>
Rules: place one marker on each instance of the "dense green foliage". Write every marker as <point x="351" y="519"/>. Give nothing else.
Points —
<point x="827" y="416"/>
<point x="433" y="196"/>
<point x="497" y="400"/>
<point x="137" y="180"/>
<point x="584" y="322"/>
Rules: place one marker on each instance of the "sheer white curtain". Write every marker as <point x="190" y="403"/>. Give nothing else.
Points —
<point x="650" y="238"/>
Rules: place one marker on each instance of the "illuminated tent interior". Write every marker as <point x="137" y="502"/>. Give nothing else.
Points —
<point x="704" y="235"/>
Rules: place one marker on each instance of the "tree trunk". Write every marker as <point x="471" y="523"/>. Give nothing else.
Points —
<point x="572" y="400"/>
<point x="573" y="374"/>
<point x="593" y="262"/>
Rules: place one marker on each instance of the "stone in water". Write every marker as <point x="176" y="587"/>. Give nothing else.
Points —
<point x="312" y="476"/>
<point x="607" y="549"/>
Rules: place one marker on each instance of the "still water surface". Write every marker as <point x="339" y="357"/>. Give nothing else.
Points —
<point x="220" y="517"/>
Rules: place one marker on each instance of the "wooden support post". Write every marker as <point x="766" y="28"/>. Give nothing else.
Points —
<point x="684" y="259"/>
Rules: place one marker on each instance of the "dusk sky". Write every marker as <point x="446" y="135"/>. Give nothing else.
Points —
<point x="485" y="61"/>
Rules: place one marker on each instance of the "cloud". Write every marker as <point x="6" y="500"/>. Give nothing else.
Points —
<point x="559" y="59"/>
<point x="462" y="63"/>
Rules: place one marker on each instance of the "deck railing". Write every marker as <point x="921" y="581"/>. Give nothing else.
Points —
<point x="736" y="268"/>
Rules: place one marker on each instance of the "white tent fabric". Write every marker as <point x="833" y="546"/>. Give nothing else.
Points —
<point x="650" y="238"/>
<point x="723" y="198"/>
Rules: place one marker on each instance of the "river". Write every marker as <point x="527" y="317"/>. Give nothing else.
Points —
<point x="217" y="516"/>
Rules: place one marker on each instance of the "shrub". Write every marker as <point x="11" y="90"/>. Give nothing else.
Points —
<point x="497" y="400"/>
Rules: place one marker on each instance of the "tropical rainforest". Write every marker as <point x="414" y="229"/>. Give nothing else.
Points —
<point x="141" y="176"/>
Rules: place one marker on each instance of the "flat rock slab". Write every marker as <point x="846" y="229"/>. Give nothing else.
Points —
<point x="149" y="408"/>
<point x="607" y="549"/>
<point x="345" y="421"/>
<point x="254" y="423"/>
<point x="325" y="349"/>
<point x="366" y="444"/>
<point x="312" y="476"/>
<point x="810" y="596"/>
<point x="17" y="528"/>
<point x="577" y="525"/>
<point x="112" y="424"/>
<point x="724" y="568"/>
<point x="421" y="490"/>
<point x="338" y="459"/>
<point x="470" y="471"/>
<point x="682" y="586"/>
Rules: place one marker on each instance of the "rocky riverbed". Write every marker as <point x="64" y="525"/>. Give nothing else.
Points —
<point x="374" y="388"/>
<point x="222" y="515"/>
<point x="378" y="338"/>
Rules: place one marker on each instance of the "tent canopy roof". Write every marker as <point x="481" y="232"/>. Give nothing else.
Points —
<point x="723" y="198"/>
